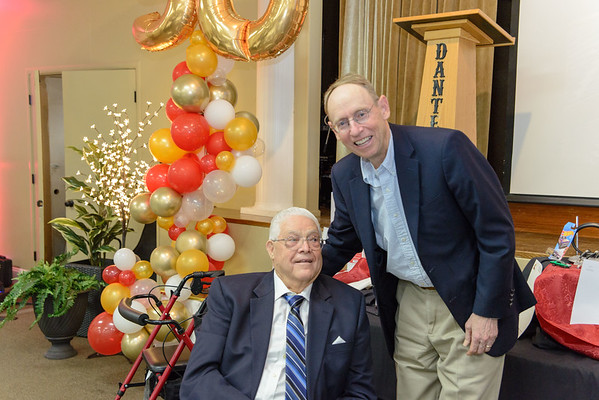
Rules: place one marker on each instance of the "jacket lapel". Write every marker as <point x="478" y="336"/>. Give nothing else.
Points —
<point x="261" y="309"/>
<point x="321" y="315"/>
<point x="408" y="178"/>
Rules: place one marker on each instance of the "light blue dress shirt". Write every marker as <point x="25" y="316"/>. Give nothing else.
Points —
<point x="389" y="220"/>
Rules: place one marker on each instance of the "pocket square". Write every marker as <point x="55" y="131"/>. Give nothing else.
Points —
<point x="339" y="340"/>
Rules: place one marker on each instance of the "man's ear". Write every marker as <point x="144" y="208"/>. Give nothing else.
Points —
<point x="383" y="103"/>
<point x="270" y="248"/>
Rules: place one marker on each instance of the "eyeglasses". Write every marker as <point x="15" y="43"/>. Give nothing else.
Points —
<point x="343" y="125"/>
<point x="293" y="242"/>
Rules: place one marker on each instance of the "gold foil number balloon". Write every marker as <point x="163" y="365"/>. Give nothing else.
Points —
<point x="235" y="37"/>
<point x="155" y="32"/>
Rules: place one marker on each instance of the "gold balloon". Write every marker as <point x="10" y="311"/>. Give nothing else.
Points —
<point x="219" y="223"/>
<point x="163" y="261"/>
<point x="112" y="295"/>
<point x="250" y="116"/>
<point x="201" y="59"/>
<point x="240" y="133"/>
<point x="178" y="313"/>
<point x="133" y="343"/>
<point x="155" y="32"/>
<point x="226" y="91"/>
<point x="142" y="270"/>
<point x="190" y="239"/>
<point x="165" y="222"/>
<point x="190" y="261"/>
<point x="140" y="209"/>
<point x="225" y="160"/>
<point x="205" y="226"/>
<point x="235" y="37"/>
<point x="165" y="201"/>
<point x="197" y="37"/>
<point x="163" y="148"/>
<point x="190" y="92"/>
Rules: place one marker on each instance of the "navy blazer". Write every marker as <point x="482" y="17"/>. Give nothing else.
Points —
<point x="228" y="357"/>
<point x="459" y="221"/>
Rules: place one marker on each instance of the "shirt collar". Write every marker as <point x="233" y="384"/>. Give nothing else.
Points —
<point x="370" y="174"/>
<point x="281" y="289"/>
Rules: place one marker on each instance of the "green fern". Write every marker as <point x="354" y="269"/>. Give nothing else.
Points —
<point x="47" y="280"/>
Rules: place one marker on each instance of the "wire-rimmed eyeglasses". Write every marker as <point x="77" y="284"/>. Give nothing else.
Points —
<point x="343" y="125"/>
<point x="315" y="242"/>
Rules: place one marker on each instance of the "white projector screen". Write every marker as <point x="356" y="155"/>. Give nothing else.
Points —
<point x="556" y="127"/>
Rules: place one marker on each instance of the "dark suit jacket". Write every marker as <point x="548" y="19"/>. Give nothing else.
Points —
<point x="231" y="344"/>
<point x="458" y="219"/>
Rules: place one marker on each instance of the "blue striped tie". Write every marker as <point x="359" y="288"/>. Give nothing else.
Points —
<point x="295" y="369"/>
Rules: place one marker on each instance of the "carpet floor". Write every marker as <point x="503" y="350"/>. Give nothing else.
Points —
<point x="25" y="374"/>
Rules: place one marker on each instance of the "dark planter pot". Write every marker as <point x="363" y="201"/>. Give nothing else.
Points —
<point x="61" y="330"/>
<point x="94" y="306"/>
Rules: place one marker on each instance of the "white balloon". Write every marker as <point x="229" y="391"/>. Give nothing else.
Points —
<point x="218" y="113"/>
<point x="196" y="205"/>
<point x="224" y="63"/>
<point x="124" y="259"/>
<point x="218" y="77"/>
<point x="220" y="247"/>
<point x="247" y="171"/>
<point x="182" y="218"/>
<point x="171" y="284"/>
<point x="219" y="186"/>
<point x="124" y="325"/>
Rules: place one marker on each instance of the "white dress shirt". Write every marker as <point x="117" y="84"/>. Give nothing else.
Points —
<point x="272" y="383"/>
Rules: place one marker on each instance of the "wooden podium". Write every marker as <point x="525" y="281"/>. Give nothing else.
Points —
<point x="448" y="91"/>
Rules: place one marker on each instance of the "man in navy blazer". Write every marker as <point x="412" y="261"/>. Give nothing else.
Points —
<point x="438" y="236"/>
<point x="237" y="353"/>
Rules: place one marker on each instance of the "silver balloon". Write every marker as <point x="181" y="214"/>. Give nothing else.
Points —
<point x="250" y="116"/>
<point x="141" y="210"/>
<point x="190" y="92"/>
<point x="226" y="91"/>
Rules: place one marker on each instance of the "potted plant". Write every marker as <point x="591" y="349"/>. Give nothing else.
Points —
<point x="59" y="298"/>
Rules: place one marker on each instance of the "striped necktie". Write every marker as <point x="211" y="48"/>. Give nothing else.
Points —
<point x="295" y="368"/>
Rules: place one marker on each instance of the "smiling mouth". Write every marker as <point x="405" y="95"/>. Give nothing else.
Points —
<point x="362" y="141"/>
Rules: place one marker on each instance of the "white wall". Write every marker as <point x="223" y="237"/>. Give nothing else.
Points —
<point x="52" y="35"/>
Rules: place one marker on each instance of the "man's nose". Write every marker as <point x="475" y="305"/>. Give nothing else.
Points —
<point x="303" y="245"/>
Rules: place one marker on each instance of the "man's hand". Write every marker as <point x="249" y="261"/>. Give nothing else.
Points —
<point x="481" y="333"/>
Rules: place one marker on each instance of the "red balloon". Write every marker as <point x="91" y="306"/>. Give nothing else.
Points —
<point x="111" y="274"/>
<point x="103" y="336"/>
<point x="208" y="163"/>
<point x="216" y="143"/>
<point x="156" y="177"/>
<point x="173" y="110"/>
<point x="174" y="231"/>
<point x="180" y="69"/>
<point x="190" y="131"/>
<point x="185" y="175"/>
<point x="127" y="278"/>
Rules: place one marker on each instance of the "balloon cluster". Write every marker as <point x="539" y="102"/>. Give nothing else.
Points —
<point x="206" y="154"/>
<point x="109" y="332"/>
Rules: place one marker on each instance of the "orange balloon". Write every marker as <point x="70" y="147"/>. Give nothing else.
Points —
<point x="142" y="270"/>
<point x="205" y="226"/>
<point x="112" y="295"/>
<point x="165" y="222"/>
<point x="240" y="133"/>
<point x="192" y="260"/>
<point x="201" y="59"/>
<point x="219" y="223"/>
<point x="163" y="148"/>
<point x="225" y="160"/>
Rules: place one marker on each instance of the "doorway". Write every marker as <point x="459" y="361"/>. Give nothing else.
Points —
<point x="68" y="103"/>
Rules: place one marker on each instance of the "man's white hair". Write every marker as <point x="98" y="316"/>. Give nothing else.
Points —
<point x="277" y="220"/>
